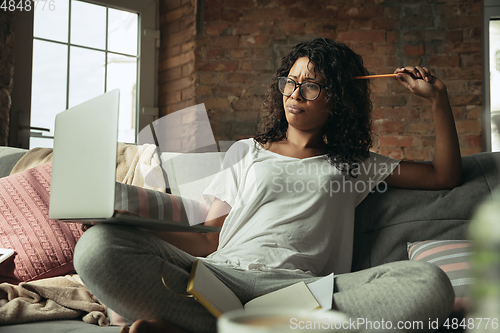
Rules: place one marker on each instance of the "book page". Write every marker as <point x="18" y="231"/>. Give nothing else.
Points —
<point x="210" y="291"/>
<point x="322" y="290"/>
<point x="296" y="295"/>
<point x="5" y="254"/>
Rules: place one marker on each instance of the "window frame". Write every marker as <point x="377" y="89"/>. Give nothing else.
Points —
<point x="147" y="74"/>
<point x="491" y="10"/>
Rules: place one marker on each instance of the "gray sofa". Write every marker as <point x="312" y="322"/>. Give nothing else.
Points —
<point x="385" y="222"/>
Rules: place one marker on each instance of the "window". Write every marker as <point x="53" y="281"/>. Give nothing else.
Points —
<point x="81" y="49"/>
<point x="494" y="40"/>
<point x="491" y="100"/>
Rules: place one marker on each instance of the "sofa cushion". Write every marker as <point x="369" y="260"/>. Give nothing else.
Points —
<point x="43" y="247"/>
<point x="8" y="159"/>
<point x="453" y="257"/>
<point x="59" y="326"/>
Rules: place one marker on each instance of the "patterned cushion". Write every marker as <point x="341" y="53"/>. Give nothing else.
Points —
<point x="453" y="257"/>
<point x="43" y="247"/>
<point x="159" y="205"/>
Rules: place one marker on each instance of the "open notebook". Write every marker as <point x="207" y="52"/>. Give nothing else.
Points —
<point x="218" y="298"/>
<point x="84" y="165"/>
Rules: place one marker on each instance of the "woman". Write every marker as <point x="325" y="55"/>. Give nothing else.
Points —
<point x="285" y="202"/>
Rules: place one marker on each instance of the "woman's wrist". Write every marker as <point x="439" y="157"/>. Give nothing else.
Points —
<point x="440" y="97"/>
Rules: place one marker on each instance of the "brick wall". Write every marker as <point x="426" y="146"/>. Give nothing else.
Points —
<point x="177" y="55"/>
<point x="224" y="53"/>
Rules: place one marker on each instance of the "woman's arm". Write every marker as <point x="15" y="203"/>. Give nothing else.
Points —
<point x="445" y="171"/>
<point x="199" y="244"/>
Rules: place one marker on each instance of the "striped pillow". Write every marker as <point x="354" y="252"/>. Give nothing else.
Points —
<point x="159" y="205"/>
<point x="453" y="257"/>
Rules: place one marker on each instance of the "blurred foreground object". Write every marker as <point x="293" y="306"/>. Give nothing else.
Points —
<point x="485" y="233"/>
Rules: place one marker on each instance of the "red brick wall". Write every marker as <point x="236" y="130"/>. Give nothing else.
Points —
<point x="176" y="66"/>
<point x="224" y="52"/>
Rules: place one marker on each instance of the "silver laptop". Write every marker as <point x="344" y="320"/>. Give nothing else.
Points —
<point x="84" y="165"/>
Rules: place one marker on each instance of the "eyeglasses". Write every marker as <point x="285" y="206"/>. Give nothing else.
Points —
<point x="309" y="90"/>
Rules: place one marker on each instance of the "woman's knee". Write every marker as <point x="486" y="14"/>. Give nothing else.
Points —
<point x="427" y="271"/>
<point x="99" y="247"/>
<point x="433" y="282"/>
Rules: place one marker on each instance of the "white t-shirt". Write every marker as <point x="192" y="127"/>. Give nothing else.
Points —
<point x="289" y="213"/>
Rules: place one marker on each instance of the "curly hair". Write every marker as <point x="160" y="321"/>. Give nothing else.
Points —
<point x="347" y="131"/>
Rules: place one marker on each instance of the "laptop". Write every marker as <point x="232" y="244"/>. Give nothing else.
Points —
<point x="84" y="166"/>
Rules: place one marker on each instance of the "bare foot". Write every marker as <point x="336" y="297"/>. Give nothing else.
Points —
<point x="151" y="326"/>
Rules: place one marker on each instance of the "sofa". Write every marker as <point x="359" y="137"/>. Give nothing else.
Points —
<point x="385" y="223"/>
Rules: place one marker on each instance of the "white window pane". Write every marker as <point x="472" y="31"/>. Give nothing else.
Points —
<point x="495" y="64"/>
<point x="51" y="20"/>
<point x="122" y="31"/>
<point x="495" y="83"/>
<point x="122" y="74"/>
<point x="41" y="142"/>
<point x="48" y="83"/>
<point x="86" y="75"/>
<point x="88" y="24"/>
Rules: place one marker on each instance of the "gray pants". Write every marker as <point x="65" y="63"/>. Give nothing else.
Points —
<point x="122" y="267"/>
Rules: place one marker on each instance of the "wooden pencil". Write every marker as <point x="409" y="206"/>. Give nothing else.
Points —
<point x="375" y="76"/>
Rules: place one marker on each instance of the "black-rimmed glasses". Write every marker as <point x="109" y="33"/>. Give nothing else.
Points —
<point x="309" y="90"/>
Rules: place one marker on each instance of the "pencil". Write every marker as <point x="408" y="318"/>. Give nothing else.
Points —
<point x="375" y="76"/>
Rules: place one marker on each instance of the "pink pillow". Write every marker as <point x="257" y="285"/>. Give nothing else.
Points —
<point x="43" y="247"/>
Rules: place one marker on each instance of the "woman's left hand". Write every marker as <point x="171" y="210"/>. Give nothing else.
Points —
<point x="445" y="171"/>
<point x="420" y="81"/>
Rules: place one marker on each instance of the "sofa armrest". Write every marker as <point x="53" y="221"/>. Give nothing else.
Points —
<point x="385" y="222"/>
